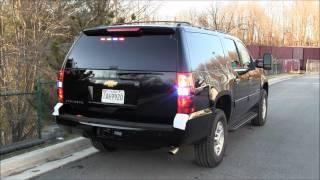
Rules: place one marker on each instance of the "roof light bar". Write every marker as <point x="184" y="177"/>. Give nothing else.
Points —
<point x="112" y="38"/>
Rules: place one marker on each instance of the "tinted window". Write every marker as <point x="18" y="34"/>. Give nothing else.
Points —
<point x="154" y="52"/>
<point x="231" y="52"/>
<point x="204" y="49"/>
<point x="244" y="55"/>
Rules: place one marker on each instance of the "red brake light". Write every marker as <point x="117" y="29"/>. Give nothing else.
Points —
<point x="60" y="86"/>
<point x="123" y="30"/>
<point x="185" y="90"/>
<point x="185" y="105"/>
<point x="60" y="95"/>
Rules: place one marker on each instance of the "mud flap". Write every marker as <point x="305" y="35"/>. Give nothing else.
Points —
<point x="180" y="121"/>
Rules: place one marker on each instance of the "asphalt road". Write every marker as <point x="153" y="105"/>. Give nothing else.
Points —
<point x="287" y="147"/>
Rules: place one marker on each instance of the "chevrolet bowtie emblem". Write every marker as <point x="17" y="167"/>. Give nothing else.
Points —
<point x="110" y="83"/>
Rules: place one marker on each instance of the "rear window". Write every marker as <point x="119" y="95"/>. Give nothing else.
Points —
<point x="149" y="52"/>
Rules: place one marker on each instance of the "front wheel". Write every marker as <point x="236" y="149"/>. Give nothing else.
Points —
<point x="210" y="151"/>
<point x="260" y="120"/>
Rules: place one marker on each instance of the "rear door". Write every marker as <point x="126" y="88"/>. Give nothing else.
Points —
<point x="252" y="74"/>
<point x="129" y="77"/>
<point x="241" y="86"/>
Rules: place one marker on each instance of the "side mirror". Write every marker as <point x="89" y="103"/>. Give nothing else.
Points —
<point x="267" y="61"/>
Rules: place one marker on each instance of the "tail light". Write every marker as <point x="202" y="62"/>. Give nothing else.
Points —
<point x="185" y="90"/>
<point x="60" y="86"/>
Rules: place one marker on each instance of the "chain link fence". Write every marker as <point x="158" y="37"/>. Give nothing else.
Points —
<point x="25" y="117"/>
<point x="276" y="69"/>
<point x="313" y="66"/>
<point x="18" y="117"/>
<point x="280" y="66"/>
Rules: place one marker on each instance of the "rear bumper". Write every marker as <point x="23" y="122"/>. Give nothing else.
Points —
<point x="132" y="134"/>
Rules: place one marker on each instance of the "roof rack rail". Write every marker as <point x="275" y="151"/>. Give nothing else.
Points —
<point x="209" y="29"/>
<point x="221" y="31"/>
<point x="178" y="23"/>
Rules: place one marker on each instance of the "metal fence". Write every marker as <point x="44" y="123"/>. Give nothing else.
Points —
<point x="25" y="117"/>
<point x="313" y="66"/>
<point x="280" y="66"/>
<point x="275" y="69"/>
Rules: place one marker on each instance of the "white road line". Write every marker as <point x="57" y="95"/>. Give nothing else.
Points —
<point x="278" y="80"/>
<point x="49" y="166"/>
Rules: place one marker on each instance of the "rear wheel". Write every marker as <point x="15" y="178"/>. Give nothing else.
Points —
<point x="209" y="152"/>
<point x="101" y="146"/>
<point x="260" y="120"/>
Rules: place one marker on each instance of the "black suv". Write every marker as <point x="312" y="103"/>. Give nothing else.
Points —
<point x="152" y="85"/>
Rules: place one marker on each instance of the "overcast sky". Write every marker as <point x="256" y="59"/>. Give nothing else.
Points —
<point x="169" y="8"/>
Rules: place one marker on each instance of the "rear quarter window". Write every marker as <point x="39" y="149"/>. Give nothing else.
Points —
<point x="150" y="52"/>
<point x="204" y="51"/>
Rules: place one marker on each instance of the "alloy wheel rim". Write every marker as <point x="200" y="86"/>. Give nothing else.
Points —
<point x="218" y="138"/>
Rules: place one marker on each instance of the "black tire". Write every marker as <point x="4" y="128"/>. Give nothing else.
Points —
<point x="205" y="154"/>
<point x="101" y="146"/>
<point x="260" y="120"/>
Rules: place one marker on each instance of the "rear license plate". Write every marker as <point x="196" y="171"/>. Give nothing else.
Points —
<point x="112" y="96"/>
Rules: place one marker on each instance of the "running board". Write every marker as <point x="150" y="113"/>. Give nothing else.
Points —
<point x="248" y="117"/>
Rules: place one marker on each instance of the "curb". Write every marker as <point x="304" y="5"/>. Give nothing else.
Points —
<point x="283" y="78"/>
<point x="31" y="159"/>
<point x="49" y="166"/>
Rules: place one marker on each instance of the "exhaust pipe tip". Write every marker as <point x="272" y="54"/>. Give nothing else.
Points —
<point x="174" y="150"/>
